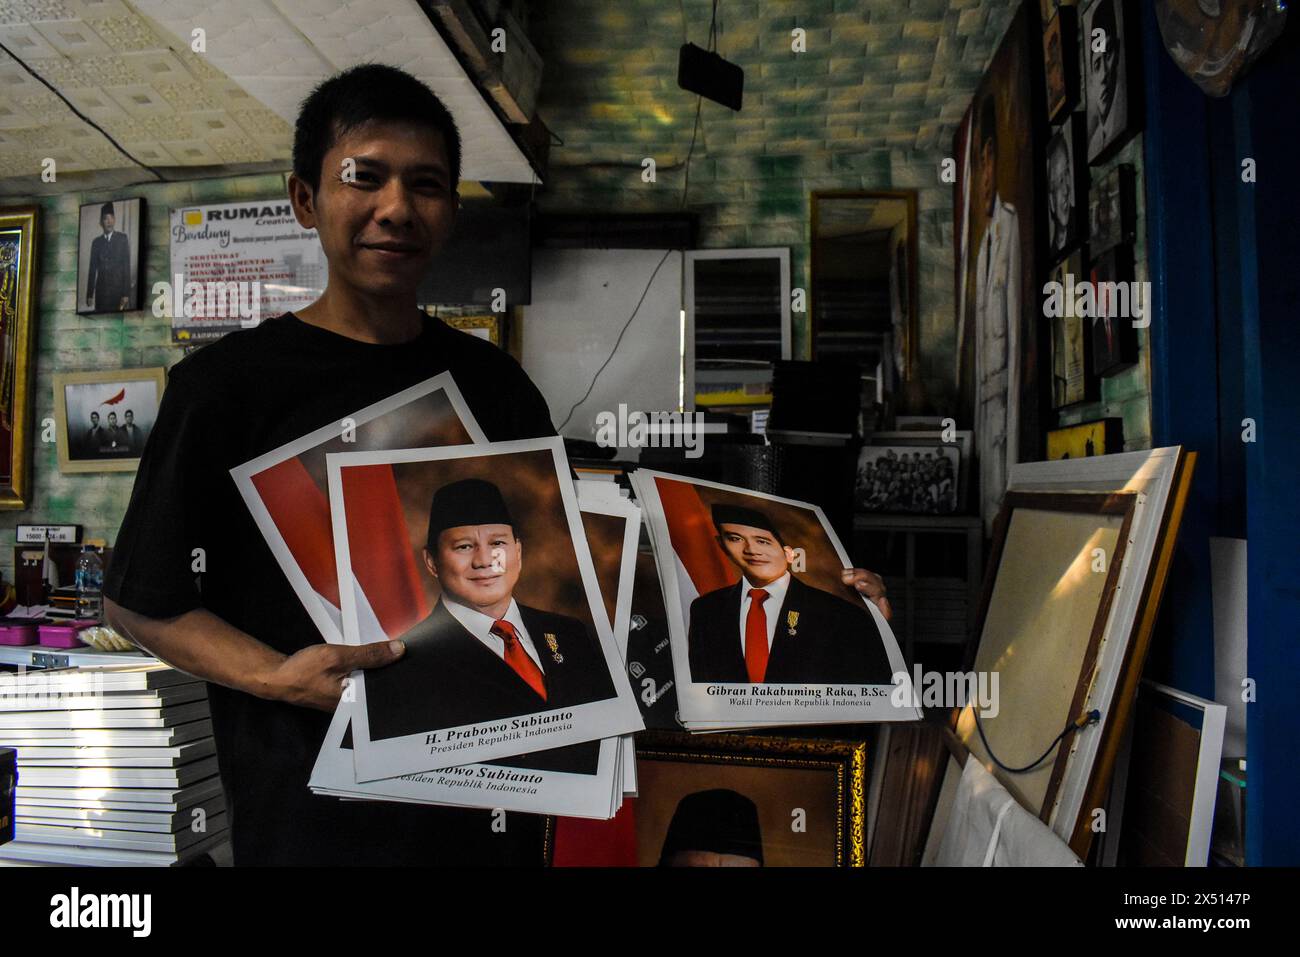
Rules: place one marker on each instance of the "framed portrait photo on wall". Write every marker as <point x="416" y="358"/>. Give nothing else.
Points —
<point x="727" y="800"/>
<point x="17" y="341"/>
<point x="104" y="418"/>
<point x="108" y="256"/>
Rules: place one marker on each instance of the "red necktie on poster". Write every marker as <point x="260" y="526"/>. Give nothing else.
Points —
<point x="756" y="649"/>
<point x="517" y="658"/>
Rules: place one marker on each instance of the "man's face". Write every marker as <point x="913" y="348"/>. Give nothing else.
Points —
<point x="1103" y="77"/>
<point x="755" y="551"/>
<point x="94" y="418"/>
<point x="130" y="418"/>
<point x="106" y="222"/>
<point x="1059" y="176"/>
<point x="988" y="174"/>
<point x="380" y="226"/>
<point x="476" y="565"/>
<point x="112" y="418"/>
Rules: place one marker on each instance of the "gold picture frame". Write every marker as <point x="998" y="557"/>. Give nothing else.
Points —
<point x="485" y="327"/>
<point x="842" y="763"/>
<point x="77" y="390"/>
<point x="18" y="232"/>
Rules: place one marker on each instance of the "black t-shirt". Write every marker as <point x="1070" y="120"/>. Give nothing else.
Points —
<point x="244" y="395"/>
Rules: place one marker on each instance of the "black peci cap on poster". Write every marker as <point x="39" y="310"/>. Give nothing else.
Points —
<point x="467" y="502"/>
<point x="720" y="821"/>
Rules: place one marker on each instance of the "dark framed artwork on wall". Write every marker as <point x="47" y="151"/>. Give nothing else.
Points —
<point x="1114" y="339"/>
<point x="1067" y="188"/>
<point x="1061" y="63"/>
<point x="108" y="256"/>
<point x="1112" y="81"/>
<point x="1072" y="378"/>
<point x="1112" y="209"/>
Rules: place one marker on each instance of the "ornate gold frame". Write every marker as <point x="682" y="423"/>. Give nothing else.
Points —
<point x="847" y="760"/>
<point x="17" y="295"/>
<point x="489" y="321"/>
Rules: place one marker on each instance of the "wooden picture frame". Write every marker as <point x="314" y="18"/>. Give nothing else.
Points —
<point x="1098" y="520"/>
<point x="1161" y="481"/>
<point x="103" y="443"/>
<point x="18" y="251"/>
<point x="840" y="767"/>
<point x="1066" y="176"/>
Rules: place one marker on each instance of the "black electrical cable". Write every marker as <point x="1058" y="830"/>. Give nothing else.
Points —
<point x="82" y="116"/>
<point x="1092" y="717"/>
<point x="645" y="292"/>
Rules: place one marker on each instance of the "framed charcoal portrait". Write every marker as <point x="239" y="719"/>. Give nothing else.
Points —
<point x="104" y="418"/>
<point x="1112" y="209"/>
<point x="728" y="800"/>
<point x="908" y="479"/>
<point x="108" y="256"/>
<point x="1061" y="63"/>
<point x="1067" y="188"/>
<point x="1114" y="340"/>
<point x="1112" y="82"/>
<point x="1072" y="378"/>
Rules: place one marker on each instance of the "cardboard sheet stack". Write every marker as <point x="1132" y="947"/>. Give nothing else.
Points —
<point x="116" y="766"/>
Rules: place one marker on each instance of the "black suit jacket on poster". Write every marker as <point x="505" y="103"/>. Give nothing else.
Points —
<point x="834" y="642"/>
<point x="110" y="271"/>
<point x="449" y="678"/>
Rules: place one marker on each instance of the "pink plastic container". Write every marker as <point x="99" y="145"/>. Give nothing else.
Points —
<point x="62" y="636"/>
<point x="18" y="634"/>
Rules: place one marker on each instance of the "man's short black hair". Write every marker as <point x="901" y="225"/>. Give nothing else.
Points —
<point x="365" y="93"/>
<point x="1106" y="21"/>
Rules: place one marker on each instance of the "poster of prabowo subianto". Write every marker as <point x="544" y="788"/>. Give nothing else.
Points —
<point x="234" y="264"/>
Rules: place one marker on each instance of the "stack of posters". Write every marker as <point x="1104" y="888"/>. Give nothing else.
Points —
<point x="762" y="629"/>
<point x="512" y="597"/>
<point x="116" y="765"/>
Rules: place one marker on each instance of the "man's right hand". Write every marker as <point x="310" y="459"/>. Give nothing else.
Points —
<point x="313" y="677"/>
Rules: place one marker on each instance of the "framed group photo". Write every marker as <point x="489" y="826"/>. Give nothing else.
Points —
<point x="108" y="256"/>
<point x="915" y="480"/>
<point x="103" y="419"/>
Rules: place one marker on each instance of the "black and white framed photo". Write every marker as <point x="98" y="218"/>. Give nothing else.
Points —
<point x="1112" y="82"/>
<point x="1112" y="209"/>
<point x="108" y="256"/>
<point x="1067" y="188"/>
<point x="1114" y="340"/>
<point x="104" y="418"/>
<point x="917" y="480"/>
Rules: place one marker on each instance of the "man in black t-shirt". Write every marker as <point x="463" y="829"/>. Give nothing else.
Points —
<point x="376" y="166"/>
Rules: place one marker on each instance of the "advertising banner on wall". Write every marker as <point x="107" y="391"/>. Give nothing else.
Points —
<point x="234" y="264"/>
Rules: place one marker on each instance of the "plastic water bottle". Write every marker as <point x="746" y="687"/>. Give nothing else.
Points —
<point x="90" y="584"/>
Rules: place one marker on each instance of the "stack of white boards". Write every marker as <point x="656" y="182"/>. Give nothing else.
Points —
<point x="116" y="766"/>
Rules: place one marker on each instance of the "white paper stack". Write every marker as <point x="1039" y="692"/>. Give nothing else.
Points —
<point x="116" y="766"/>
<point x="285" y="490"/>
